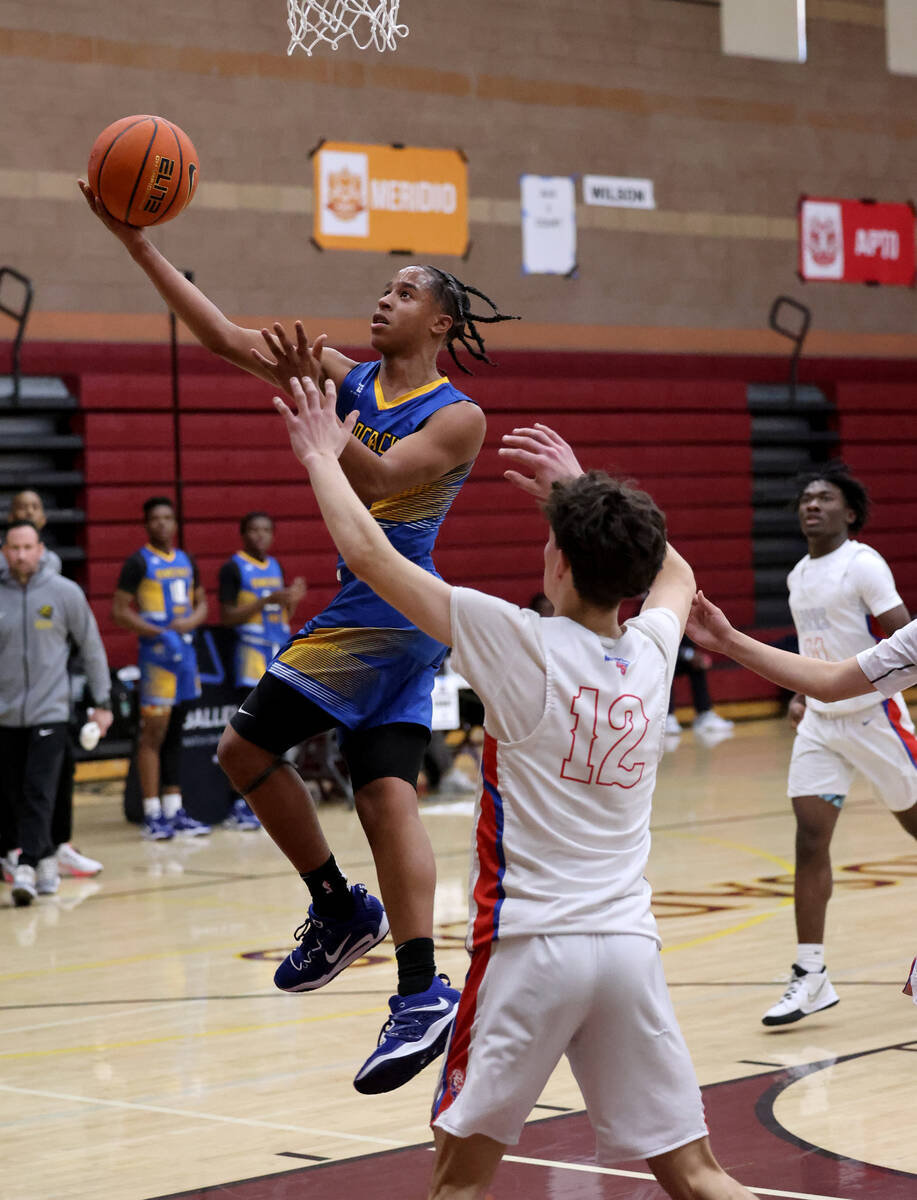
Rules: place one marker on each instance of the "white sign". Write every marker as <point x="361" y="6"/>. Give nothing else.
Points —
<point x="343" y="187"/>
<point x="446" y="702"/>
<point x="548" y="225"/>
<point x="612" y="191"/>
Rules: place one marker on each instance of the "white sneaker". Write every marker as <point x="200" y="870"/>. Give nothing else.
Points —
<point x="47" y="876"/>
<point x="8" y="865"/>
<point x="23" y="886"/>
<point x="808" y="992"/>
<point x="71" y="862"/>
<point x="711" y="722"/>
<point x="455" y="782"/>
<point x="672" y="728"/>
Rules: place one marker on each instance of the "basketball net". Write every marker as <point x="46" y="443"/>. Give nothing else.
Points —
<point x="367" y="22"/>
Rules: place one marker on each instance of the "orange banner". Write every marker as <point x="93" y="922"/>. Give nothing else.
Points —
<point x="385" y="198"/>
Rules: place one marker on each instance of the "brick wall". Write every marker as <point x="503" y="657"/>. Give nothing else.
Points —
<point x="624" y="87"/>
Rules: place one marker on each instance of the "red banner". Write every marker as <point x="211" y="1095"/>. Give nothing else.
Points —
<point x="856" y="241"/>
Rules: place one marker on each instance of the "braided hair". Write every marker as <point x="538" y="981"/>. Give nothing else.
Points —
<point x="455" y="299"/>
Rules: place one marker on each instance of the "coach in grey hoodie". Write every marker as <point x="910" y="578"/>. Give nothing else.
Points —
<point x="39" y="610"/>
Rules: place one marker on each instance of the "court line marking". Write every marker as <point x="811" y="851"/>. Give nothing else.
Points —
<point x="596" y="1170"/>
<point x="132" y="1106"/>
<point x="96" y="1016"/>
<point x="232" y="1030"/>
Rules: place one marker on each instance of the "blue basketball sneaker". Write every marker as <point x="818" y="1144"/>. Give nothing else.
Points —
<point x="157" y="829"/>
<point x="415" y="1034"/>
<point x="185" y="826"/>
<point x="241" y="817"/>
<point x="326" y="947"/>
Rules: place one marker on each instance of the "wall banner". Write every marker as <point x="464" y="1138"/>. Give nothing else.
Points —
<point x="856" y="241"/>
<point x="383" y="198"/>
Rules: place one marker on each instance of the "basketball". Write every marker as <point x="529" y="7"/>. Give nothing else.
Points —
<point x="144" y="169"/>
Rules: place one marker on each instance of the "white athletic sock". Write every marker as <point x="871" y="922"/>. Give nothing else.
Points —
<point x="152" y="806"/>
<point x="171" y="803"/>
<point x="810" y="956"/>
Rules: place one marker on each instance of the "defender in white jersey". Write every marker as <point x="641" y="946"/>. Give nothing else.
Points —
<point x="838" y="592"/>
<point x="565" y="951"/>
<point x="886" y="667"/>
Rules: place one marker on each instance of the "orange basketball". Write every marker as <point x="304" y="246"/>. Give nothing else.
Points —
<point x="144" y="169"/>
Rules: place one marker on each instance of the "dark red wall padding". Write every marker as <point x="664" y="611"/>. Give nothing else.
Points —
<point x="678" y="425"/>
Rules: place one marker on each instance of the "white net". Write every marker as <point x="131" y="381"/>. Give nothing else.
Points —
<point x="366" y="22"/>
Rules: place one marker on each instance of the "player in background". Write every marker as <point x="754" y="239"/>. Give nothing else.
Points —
<point x="562" y="828"/>
<point x="886" y="668"/>
<point x="159" y="597"/>
<point x="836" y="591"/>
<point x="359" y="665"/>
<point x="256" y="605"/>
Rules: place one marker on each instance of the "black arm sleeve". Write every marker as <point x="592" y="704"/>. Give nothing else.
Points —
<point x="132" y="574"/>
<point x="230" y="582"/>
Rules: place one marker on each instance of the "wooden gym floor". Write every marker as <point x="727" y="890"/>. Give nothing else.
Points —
<point x="145" y="1052"/>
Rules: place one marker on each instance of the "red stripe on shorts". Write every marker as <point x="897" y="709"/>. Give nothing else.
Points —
<point x="455" y="1066"/>
<point x="907" y="738"/>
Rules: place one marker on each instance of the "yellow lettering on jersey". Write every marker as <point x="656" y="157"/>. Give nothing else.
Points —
<point x="373" y="439"/>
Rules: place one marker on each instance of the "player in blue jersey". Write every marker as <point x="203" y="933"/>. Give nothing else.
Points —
<point x="359" y="665"/>
<point x="256" y="605"/>
<point x="159" y="597"/>
<point x="254" y="600"/>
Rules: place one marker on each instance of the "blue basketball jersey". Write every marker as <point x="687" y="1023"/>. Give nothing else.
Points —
<point x="168" y="663"/>
<point x="360" y="659"/>
<point x="166" y="590"/>
<point x="262" y="635"/>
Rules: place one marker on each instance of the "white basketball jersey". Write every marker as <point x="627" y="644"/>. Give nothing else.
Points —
<point x="892" y="664"/>
<point x="832" y="599"/>
<point x="573" y="735"/>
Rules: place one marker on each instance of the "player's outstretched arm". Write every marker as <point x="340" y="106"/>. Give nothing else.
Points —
<point x="673" y="586"/>
<point x="318" y="438"/>
<point x="709" y="627"/>
<point x="209" y="324"/>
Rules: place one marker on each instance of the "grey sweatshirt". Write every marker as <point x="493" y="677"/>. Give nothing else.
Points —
<point x="35" y="622"/>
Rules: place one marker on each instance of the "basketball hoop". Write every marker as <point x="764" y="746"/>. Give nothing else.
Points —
<point x="367" y="22"/>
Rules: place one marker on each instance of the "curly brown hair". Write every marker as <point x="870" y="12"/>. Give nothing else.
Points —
<point x="611" y="533"/>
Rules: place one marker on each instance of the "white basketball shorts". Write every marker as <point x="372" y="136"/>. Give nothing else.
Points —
<point x="602" y="1000"/>
<point x="878" y="741"/>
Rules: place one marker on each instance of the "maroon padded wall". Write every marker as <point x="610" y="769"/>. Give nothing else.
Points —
<point x="679" y="425"/>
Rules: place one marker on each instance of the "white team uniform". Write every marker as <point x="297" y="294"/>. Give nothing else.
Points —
<point x="892" y="664"/>
<point x="564" y="946"/>
<point x="832" y="599"/>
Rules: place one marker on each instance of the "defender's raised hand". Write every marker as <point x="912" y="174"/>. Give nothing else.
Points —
<point x="708" y="626"/>
<point x="291" y="360"/>
<point x="543" y="455"/>
<point x="312" y="425"/>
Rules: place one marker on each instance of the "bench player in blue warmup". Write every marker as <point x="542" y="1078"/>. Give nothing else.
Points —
<point x="359" y="665"/>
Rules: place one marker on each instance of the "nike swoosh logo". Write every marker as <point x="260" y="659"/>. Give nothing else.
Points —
<point x="332" y="958"/>
<point x="441" y="1005"/>
<point x="45" y="732"/>
<point x="192" y="180"/>
<point x="245" y="710"/>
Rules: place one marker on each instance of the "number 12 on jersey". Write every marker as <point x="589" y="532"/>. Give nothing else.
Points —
<point x="604" y="736"/>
